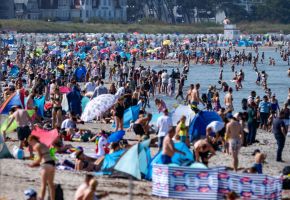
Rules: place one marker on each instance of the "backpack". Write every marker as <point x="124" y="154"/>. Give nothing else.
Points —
<point x="286" y="170"/>
<point x="58" y="192"/>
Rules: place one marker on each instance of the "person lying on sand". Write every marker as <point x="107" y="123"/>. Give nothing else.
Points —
<point x="86" y="163"/>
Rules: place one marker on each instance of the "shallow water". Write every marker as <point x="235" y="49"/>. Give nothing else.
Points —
<point x="207" y="75"/>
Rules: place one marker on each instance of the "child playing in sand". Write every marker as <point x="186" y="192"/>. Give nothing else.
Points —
<point x="259" y="160"/>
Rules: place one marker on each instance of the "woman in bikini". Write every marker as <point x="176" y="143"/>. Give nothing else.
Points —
<point x="47" y="166"/>
<point x="56" y="109"/>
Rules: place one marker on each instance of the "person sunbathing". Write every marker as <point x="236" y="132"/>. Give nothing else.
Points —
<point x="86" y="163"/>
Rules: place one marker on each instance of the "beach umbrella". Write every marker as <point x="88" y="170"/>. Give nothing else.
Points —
<point x="116" y="136"/>
<point x="134" y="51"/>
<point x="104" y="51"/>
<point x="150" y="51"/>
<point x="157" y="49"/>
<point x="166" y="42"/>
<point x="81" y="43"/>
<point x="98" y="106"/>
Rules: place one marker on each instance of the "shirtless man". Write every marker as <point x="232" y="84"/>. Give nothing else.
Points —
<point x="23" y="131"/>
<point x="229" y="100"/>
<point x="195" y="99"/>
<point x="141" y="125"/>
<point x="188" y="94"/>
<point x="259" y="160"/>
<point x="168" y="149"/>
<point x="234" y="137"/>
<point x="82" y="188"/>
<point x="202" y="148"/>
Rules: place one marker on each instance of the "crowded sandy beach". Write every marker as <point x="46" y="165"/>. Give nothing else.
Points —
<point x="116" y="116"/>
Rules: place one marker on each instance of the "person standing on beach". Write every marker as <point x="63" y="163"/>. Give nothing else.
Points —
<point x="279" y="130"/>
<point x="234" y="137"/>
<point x="264" y="111"/>
<point x="195" y="99"/>
<point x="168" y="149"/>
<point x="164" y="123"/>
<point x="47" y="166"/>
<point x="23" y="121"/>
<point x="229" y="101"/>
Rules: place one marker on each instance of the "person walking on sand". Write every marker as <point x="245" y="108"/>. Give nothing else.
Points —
<point x="279" y="130"/>
<point x="229" y="101"/>
<point x="234" y="136"/>
<point x="164" y="123"/>
<point x="47" y="166"/>
<point x="168" y="149"/>
<point x="23" y="121"/>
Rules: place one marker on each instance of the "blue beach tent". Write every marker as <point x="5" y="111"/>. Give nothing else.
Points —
<point x="197" y="127"/>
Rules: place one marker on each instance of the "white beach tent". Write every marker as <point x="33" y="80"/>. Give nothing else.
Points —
<point x="182" y="110"/>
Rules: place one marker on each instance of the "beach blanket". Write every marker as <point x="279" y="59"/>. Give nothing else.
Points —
<point x="213" y="183"/>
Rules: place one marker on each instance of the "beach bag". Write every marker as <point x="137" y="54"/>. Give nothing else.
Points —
<point x="58" y="192"/>
<point x="286" y="184"/>
<point x="286" y="170"/>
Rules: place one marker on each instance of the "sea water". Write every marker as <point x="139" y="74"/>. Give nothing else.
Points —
<point x="278" y="80"/>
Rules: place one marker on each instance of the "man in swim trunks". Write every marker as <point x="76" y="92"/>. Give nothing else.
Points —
<point x="23" y="121"/>
<point x="202" y="148"/>
<point x="229" y="101"/>
<point x="168" y="149"/>
<point x="234" y="136"/>
<point x="194" y="97"/>
<point x="141" y="125"/>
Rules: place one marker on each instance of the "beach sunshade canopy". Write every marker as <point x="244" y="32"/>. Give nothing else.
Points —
<point x="45" y="137"/>
<point x="135" y="161"/>
<point x="13" y="100"/>
<point x="177" y="159"/>
<point x="116" y="136"/>
<point x="97" y="106"/>
<point x="180" y="111"/>
<point x="130" y="114"/>
<point x="4" y="151"/>
<point x="197" y="128"/>
<point x="13" y="126"/>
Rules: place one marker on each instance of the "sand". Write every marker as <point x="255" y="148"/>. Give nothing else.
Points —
<point x="16" y="176"/>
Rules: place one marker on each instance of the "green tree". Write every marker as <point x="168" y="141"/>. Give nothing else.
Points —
<point x="274" y="10"/>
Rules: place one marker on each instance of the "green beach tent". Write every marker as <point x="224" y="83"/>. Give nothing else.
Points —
<point x="4" y="152"/>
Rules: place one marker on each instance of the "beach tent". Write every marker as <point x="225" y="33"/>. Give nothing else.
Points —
<point x="85" y="101"/>
<point x="130" y="114"/>
<point x="13" y="100"/>
<point x="177" y="159"/>
<point x="4" y="151"/>
<point x="80" y="73"/>
<point x="135" y="161"/>
<point x="182" y="110"/>
<point x="13" y="126"/>
<point x="45" y="137"/>
<point x="14" y="72"/>
<point x="39" y="103"/>
<point x="116" y="136"/>
<point x="111" y="159"/>
<point x="199" y="123"/>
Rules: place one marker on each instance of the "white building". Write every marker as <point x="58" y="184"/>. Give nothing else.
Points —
<point x="248" y="4"/>
<point x="68" y="10"/>
<point x="231" y="32"/>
